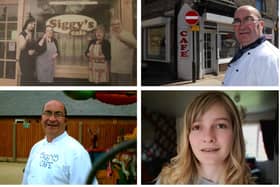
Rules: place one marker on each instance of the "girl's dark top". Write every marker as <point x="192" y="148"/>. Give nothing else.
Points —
<point x="106" y="49"/>
<point x="30" y="45"/>
<point x="27" y="62"/>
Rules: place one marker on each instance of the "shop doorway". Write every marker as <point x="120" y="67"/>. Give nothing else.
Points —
<point x="209" y="51"/>
<point x="8" y="35"/>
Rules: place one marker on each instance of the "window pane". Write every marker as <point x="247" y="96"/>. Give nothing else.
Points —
<point x="12" y="13"/>
<point x="72" y="49"/>
<point x="10" y="70"/>
<point x="11" y="50"/>
<point x="3" y="13"/>
<point x="156" y="42"/>
<point x="12" y="31"/>
<point x="207" y="50"/>
<point x="2" y="48"/>
<point x="228" y="45"/>
<point x="2" y="31"/>
<point x="1" y="69"/>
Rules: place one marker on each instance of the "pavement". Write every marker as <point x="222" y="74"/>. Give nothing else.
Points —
<point x="11" y="172"/>
<point x="207" y="80"/>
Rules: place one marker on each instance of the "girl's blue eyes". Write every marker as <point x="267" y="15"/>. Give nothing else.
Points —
<point x="218" y="126"/>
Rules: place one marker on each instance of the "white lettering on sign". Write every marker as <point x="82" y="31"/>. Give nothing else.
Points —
<point x="72" y="24"/>
<point x="184" y="51"/>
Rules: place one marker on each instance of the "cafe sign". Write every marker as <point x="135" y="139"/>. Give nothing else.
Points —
<point x="76" y="25"/>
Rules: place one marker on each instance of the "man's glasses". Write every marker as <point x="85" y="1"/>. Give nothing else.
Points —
<point x="57" y="114"/>
<point x="246" y="21"/>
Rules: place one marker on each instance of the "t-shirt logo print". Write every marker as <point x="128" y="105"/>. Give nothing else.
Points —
<point x="48" y="159"/>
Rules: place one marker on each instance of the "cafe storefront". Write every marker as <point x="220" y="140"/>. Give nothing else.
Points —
<point x="74" y="23"/>
<point x="174" y="50"/>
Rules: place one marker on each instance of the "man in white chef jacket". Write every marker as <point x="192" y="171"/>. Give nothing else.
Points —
<point x="257" y="61"/>
<point x="58" y="158"/>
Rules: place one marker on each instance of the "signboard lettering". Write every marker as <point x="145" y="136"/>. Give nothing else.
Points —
<point x="184" y="51"/>
<point x="72" y="24"/>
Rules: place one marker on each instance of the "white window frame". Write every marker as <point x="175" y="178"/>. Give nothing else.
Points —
<point x="159" y="21"/>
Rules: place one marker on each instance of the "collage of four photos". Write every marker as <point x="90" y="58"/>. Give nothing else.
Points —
<point x="139" y="92"/>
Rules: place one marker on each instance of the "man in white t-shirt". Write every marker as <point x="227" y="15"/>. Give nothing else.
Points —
<point x="123" y="44"/>
<point x="58" y="158"/>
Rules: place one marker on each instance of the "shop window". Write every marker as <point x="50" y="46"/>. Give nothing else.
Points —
<point x="74" y="25"/>
<point x="227" y="45"/>
<point x="156" y="40"/>
<point x="207" y="51"/>
<point x="8" y="35"/>
<point x="156" y="43"/>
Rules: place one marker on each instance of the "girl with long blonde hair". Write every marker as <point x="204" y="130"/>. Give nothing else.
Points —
<point x="211" y="149"/>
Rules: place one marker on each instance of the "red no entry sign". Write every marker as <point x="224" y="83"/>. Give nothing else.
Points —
<point x="192" y="17"/>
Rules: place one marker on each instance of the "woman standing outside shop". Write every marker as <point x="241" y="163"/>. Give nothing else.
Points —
<point x="27" y="58"/>
<point x="48" y="50"/>
<point x="99" y="54"/>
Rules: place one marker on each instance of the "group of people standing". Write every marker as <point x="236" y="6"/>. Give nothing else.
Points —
<point x="109" y="60"/>
<point x="37" y="58"/>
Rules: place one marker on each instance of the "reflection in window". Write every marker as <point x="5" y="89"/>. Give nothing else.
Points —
<point x="228" y="45"/>
<point x="254" y="141"/>
<point x="156" y="43"/>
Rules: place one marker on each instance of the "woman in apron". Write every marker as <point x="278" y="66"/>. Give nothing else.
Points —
<point x="99" y="54"/>
<point x="45" y="63"/>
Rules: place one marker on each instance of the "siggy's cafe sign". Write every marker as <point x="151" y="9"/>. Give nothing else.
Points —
<point x="75" y="25"/>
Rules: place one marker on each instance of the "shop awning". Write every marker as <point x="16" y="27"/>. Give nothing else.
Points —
<point x="218" y="18"/>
